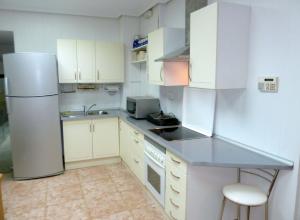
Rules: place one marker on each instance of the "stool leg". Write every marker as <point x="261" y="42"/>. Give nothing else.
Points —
<point x="248" y="213"/>
<point x="238" y="213"/>
<point x="266" y="211"/>
<point x="223" y="207"/>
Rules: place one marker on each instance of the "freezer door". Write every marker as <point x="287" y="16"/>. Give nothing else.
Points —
<point x="35" y="136"/>
<point x="30" y="74"/>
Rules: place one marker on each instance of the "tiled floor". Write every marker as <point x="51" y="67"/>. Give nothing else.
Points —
<point x="109" y="192"/>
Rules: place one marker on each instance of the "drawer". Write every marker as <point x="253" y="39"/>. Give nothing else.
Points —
<point x="174" y="211"/>
<point x="176" y="188"/>
<point x="175" y="174"/>
<point x="138" y="146"/>
<point x="176" y="161"/>
<point x="137" y="134"/>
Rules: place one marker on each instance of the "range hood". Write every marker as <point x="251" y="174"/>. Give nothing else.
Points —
<point x="183" y="54"/>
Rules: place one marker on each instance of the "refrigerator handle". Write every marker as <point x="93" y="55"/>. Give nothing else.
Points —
<point x="6" y="85"/>
<point x="8" y="108"/>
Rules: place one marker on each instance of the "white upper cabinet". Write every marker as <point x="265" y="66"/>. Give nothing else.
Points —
<point x="67" y="60"/>
<point x="83" y="61"/>
<point x="109" y="62"/>
<point x="219" y="46"/>
<point x="161" y="42"/>
<point x="86" y="61"/>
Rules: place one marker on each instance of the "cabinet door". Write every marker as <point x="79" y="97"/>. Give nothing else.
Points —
<point x="106" y="137"/>
<point x="203" y="47"/>
<point x="67" y="61"/>
<point x="77" y="140"/>
<point x="126" y="143"/>
<point x="155" y="51"/>
<point x="86" y="61"/>
<point x="109" y="62"/>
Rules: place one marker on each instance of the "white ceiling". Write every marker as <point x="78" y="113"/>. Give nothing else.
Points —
<point x="97" y="8"/>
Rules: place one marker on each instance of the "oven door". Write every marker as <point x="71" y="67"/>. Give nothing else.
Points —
<point x="155" y="179"/>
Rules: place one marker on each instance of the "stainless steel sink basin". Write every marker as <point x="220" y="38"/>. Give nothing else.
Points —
<point x="74" y="114"/>
<point x="97" y="112"/>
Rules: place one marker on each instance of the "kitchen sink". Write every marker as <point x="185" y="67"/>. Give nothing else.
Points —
<point x="97" y="112"/>
<point x="74" y="114"/>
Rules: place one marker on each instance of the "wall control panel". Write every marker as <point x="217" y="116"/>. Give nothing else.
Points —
<point x="268" y="84"/>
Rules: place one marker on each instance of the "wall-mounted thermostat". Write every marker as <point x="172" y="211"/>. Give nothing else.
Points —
<point x="268" y="84"/>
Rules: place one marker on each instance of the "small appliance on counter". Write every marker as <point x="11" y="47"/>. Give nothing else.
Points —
<point x="162" y="119"/>
<point x="139" y="107"/>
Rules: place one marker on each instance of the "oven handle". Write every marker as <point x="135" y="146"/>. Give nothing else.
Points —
<point x="153" y="160"/>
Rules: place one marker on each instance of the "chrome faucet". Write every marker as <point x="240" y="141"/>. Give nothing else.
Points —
<point x="86" y="111"/>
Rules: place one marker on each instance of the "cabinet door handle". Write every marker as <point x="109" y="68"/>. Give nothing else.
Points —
<point x="136" y="161"/>
<point x="75" y="76"/>
<point x="174" y="190"/>
<point x="175" y="205"/>
<point x="98" y="75"/>
<point x="136" y="141"/>
<point x="172" y="216"/>
<point x="90" y="127"/>
<point x="175" y="161"/>
<point x="136" y="132"/>
<point x="160" y="73"/>
<point x="176" y="177"/>
<point x="190" y="71"/>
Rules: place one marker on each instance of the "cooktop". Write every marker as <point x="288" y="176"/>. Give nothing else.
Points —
<point x="177" y="133"/>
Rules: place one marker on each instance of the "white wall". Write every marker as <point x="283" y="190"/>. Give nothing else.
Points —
<point x="37" y="32"/>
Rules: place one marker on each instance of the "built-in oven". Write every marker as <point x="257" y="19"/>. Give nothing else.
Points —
<point x="155" y="173"/>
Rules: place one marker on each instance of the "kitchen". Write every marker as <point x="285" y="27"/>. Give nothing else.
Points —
<point x="239" y="114"/>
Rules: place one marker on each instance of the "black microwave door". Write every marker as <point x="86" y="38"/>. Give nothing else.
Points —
<point x="131" y="107"/>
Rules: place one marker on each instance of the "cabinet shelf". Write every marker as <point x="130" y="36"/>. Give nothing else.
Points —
<point x="139" y="61"/>
<point x="144" y="47"/>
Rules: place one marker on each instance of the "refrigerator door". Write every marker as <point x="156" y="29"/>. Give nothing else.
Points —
<point x="30" y="74"/>
<point x="35" y="136"/>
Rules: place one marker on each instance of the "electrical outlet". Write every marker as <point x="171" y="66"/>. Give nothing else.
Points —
<point x="268" y="84"/>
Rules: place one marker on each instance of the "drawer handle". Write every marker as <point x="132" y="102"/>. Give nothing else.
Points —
<point x="177" y="177"/>
<point x="136" y="141"/>
<point x="176" y="206"/>
<point x="174" y="190"/>
<point x="172" y="216"/>
<point x="175" y="161"/>
<point x="136" y="132"/>
<point x="136" y="161"/>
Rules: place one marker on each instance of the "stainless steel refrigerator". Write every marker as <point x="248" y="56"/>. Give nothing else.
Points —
<point x="31" y="90"/>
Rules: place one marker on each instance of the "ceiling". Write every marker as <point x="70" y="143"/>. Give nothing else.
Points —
<point x="97" y="8"/>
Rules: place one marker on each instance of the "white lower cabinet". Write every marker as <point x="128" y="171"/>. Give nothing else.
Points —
<point x="132" y="149"/>
<point x="175" y="197"/>
<point x="90" y="139"/>
<point x="78" y="140"/>
<point x="105" y="138"/>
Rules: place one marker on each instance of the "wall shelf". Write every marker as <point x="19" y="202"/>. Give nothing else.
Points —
<point x="138" y="61"/>
<point x="144" y="47"/>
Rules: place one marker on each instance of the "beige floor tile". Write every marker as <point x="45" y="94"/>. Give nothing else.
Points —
<point x="125" y="215"/>
<point x="74" y="210"/>
<point x="149" y="212"/>
<point x="98" y="187"/>
<point x="21" y="214"/>
<point x="93" y="173"/>
<point x="60" y="195"/>
<point x="105" y="205"/>
<point x="136" y="199"/>
<point x="70" y="177"/>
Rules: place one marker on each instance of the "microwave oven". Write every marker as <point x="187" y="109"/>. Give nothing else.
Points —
<point x="140" y="106"/>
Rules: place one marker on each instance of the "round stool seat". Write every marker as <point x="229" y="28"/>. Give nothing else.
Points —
<point x="245" y="195"/>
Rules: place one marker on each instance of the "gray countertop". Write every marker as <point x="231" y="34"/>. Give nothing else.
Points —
<point x="200" y="152"/>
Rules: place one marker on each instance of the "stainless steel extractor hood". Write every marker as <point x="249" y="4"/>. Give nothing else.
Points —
<point x="183" y="54"/>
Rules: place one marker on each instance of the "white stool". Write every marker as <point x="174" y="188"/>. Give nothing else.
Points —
<point x="249" y="196"/>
